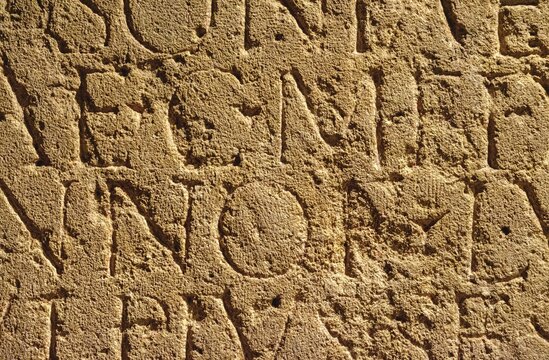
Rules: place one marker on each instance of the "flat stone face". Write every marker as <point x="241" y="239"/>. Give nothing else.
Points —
<point x="261" y="179"/>
<point x="168" y="26"/>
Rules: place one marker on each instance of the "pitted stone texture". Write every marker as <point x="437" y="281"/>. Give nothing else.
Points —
<point x="169" y="26"/>
<point x="267" y="180"/>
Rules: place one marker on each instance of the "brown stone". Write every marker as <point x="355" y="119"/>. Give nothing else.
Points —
<point x="262" y="179"/>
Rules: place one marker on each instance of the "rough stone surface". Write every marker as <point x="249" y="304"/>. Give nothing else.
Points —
<point x="274" y="179"/>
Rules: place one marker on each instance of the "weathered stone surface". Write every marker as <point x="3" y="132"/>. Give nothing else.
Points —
<point x="260" y="179"/>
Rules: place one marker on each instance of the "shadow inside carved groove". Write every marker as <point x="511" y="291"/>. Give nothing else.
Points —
<point x="458" y="30"/>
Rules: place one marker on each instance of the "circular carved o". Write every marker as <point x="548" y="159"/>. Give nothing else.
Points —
<point x="263" y="230"/>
